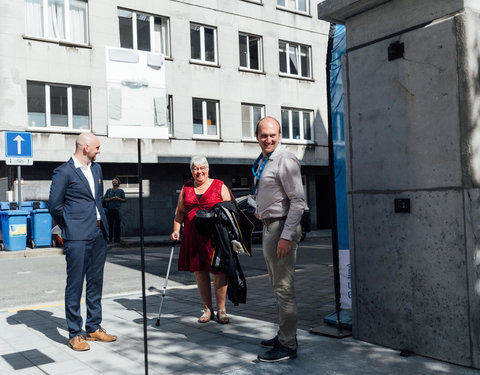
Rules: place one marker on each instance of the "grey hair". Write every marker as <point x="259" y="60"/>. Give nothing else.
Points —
<point x="198" y="160"/>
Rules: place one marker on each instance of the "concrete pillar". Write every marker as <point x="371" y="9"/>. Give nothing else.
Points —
<point x="412" y="95"/>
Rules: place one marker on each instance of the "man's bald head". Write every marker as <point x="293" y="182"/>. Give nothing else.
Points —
<point x="269" y="134"/>
<point x="84" y="139"/>
<point x="87" y="146"/>
<point x="265" y="120"/>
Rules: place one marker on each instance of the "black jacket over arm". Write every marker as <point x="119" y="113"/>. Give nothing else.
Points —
<point x="231" y="224"/>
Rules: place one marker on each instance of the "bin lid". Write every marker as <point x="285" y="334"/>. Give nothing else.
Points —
<point x="34" y="204"/>
<point x="7" y="205"/>
<point x="14" y="213"/>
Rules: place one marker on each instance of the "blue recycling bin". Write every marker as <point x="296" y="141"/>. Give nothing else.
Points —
<point x="29" y="207"/>
<point x="40" y="228"/>
<point x="14" y="229"/>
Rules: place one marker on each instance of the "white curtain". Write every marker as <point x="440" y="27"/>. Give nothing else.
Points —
<point x="78" y="21"/>
<point x="293" y="60"/>
<point x="34" y="17"/>
<point x="161" y="36"/>
<point x="291" y="4"/>
<point x="56" y="19"/>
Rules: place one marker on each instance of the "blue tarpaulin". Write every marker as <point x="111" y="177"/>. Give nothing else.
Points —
<point x="338" y="140"/>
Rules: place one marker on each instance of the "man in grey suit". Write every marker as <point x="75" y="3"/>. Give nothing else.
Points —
<point x="76" y="205"/>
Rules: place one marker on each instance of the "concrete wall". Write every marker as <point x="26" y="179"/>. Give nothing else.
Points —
<point x="412" y="132"/>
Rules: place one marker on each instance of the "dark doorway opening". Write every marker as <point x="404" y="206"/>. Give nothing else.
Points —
<point x="324" y="219"/>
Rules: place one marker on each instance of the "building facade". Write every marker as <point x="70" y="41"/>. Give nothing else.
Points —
<point x="226" y="64"/>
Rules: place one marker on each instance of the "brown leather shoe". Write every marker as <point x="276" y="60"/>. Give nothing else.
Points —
<point x="100" y="335"/>
<point x="78" y="343"/>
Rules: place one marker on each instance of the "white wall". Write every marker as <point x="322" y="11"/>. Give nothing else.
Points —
<point x="26" y="59"/>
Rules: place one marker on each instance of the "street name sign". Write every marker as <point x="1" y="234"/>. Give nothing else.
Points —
<point x="18" y="148"/>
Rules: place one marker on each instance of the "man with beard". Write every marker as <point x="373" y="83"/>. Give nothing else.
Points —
<point x="76" y="205"/>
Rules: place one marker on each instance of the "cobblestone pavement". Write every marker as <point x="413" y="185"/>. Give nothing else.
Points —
<point x="313" y="284"/>
<point x="33" y="340"/>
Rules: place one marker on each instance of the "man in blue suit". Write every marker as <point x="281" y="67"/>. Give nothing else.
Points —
<point x="76" y="205"/>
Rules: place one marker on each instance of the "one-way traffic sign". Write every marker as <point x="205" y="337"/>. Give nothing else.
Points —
<point x="18" y="148"/>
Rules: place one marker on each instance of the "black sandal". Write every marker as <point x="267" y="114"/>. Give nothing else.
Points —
<point x="222" y="317"/>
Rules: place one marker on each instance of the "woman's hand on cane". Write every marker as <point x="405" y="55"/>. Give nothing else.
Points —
<point x="175" y="236"/>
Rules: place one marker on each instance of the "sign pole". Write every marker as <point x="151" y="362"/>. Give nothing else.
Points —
<point x="18" y="151"/>
<point x="19" y="179"/>
<point x="142" y="252"/>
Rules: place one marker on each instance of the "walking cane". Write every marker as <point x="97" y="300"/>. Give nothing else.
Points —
<point x="164" y="290"/>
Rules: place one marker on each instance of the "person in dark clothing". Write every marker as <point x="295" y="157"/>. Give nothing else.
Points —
<point x="114" y="197"/>
<point x="75" y="203"/>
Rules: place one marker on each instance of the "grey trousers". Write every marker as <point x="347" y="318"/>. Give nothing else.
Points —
<point x="282" y="273"/>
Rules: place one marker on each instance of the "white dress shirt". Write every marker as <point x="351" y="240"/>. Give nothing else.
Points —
<point x="87" y="171"/>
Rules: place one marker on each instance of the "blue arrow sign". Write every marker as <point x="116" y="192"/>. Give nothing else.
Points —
<point x="18" y="145"/>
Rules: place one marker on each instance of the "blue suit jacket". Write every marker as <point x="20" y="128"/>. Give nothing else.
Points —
<point x="71" y="202"/>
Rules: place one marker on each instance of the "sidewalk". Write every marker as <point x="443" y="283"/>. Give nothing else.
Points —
<point x="126" y="242"/>
<point x="33" y="341"/>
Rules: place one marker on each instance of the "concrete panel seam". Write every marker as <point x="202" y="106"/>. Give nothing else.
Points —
<point x="467" y="280"/>
<point x="404" y="31"/>
<point x="399" y="191"/>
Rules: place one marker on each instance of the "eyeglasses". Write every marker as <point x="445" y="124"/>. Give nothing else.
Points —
<point x="199" y="169"/>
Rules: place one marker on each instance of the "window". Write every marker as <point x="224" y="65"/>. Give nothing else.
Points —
<point x="144" y="32"/>
<point x="203" y="43"/>
<point x="130" y="183"/>
<point x="205" y="117"/>
<point x="295" y="59"/>
<point x="251" y="114"/>
<point x="241" y="183"/>
<point x="297" y="124"/>
<point x="62" y="20"/>
<point x="58" y="106"/>
<point x="250" y="51"/>
<point x="170" y="114"/>
<point x="295" y="5"/>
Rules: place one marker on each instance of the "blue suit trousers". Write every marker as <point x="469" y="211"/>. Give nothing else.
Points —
<point x="85" y="261"/>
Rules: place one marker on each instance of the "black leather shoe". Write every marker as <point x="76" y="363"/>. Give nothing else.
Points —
<point x="272" y="343"/>
<point x="278" y="353"/>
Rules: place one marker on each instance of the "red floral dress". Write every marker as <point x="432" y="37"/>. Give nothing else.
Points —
<point x="196" y="249"/>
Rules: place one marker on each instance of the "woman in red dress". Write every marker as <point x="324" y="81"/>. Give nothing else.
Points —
<point x="196" y="249"/>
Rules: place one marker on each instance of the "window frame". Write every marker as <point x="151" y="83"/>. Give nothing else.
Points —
<point x="168" y="52"/>
<point x="302" y="111"/>
<point x="296" y="9"/>
<point x="202" y="59"/>
<point x="48" y="112"/>
<point x="170" y="114"/>
<point x="252" y="122"/>
<point x="298" y="47"/>
<point x="205" y="134"/>
<point x="67" y="25"/>
<point x="260" y="52"/>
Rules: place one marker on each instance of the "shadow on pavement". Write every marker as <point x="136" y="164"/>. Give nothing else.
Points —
<point x="42" y="321"/>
